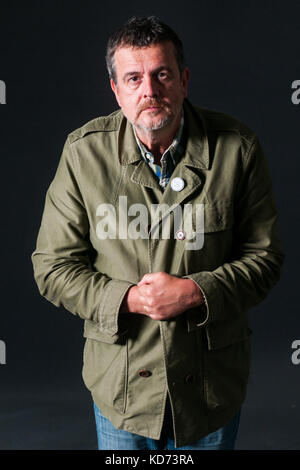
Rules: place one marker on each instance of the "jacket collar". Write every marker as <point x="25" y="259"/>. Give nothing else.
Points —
<point x="197" y="149"/>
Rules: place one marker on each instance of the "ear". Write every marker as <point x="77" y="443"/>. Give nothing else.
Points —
<point x="115" y="90"/>
<point x="185" y="80"/>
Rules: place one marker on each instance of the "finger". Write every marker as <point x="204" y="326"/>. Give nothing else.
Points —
<point x="146" y="279"/>
<point x="144" y="290"/>
<point x="147" y="310"/>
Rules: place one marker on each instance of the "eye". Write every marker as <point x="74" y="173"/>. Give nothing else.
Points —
<point x="162" y="75"/>
<point x="133" y="80"/>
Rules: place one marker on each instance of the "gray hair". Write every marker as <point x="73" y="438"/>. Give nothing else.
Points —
<point x="142" y="32"/>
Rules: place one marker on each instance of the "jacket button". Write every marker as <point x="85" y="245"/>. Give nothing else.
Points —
<point x="189" y="378"/>
<point x="144" y="373"/>
<point x="180" y="234"/>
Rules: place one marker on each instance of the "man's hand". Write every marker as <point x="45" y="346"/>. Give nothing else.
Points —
<point x="162" y="296"/>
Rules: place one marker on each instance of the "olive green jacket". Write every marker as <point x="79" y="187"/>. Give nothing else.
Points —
<point x="200" y="359"/>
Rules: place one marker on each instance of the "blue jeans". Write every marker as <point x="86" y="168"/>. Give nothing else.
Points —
<point x="110" y="438"/>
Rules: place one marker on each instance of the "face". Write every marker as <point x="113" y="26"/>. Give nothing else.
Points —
<point x="150" y="89"/>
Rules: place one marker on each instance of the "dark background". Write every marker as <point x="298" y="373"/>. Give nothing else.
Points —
<point x="243" y="58"/>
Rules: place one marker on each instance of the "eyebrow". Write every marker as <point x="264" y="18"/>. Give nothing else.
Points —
<point x="159" y="69"/>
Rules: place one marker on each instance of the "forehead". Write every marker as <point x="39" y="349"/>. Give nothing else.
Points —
<point x="156" y="55"/>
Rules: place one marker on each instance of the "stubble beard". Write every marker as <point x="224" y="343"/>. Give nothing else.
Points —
<point x="155" y="125"/>
<point x="163" y="122"/>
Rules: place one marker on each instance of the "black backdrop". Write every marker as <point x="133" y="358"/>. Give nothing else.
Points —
<point x="244" y="57"/>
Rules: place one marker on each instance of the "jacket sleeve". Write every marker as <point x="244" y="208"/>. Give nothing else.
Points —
<point x="62" y="258"/>
<point x="254" y="267"/>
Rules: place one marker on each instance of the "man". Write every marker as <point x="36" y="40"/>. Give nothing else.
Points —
<point x="160" y="231"/>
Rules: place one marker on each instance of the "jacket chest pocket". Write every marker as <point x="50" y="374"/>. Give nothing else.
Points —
<point x="213" y="217"/>
<point x="212" y="237"/>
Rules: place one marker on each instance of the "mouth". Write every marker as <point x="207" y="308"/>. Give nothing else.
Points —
<point x="152" y="108"/>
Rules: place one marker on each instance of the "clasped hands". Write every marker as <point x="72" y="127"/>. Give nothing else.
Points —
<point x="162" y="296"/>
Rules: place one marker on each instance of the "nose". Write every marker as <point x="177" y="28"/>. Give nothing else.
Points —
<point x="150" y="87"/>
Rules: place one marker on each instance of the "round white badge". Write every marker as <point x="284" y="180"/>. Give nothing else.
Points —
<point x="177" y="184"/>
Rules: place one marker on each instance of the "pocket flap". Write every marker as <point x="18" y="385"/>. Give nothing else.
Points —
<point x="91" y="330"/>
<point x="220" y="335"/>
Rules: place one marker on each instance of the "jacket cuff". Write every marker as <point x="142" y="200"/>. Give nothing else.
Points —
<point x="209" y="311"/>
<point x="110" y="304"/>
